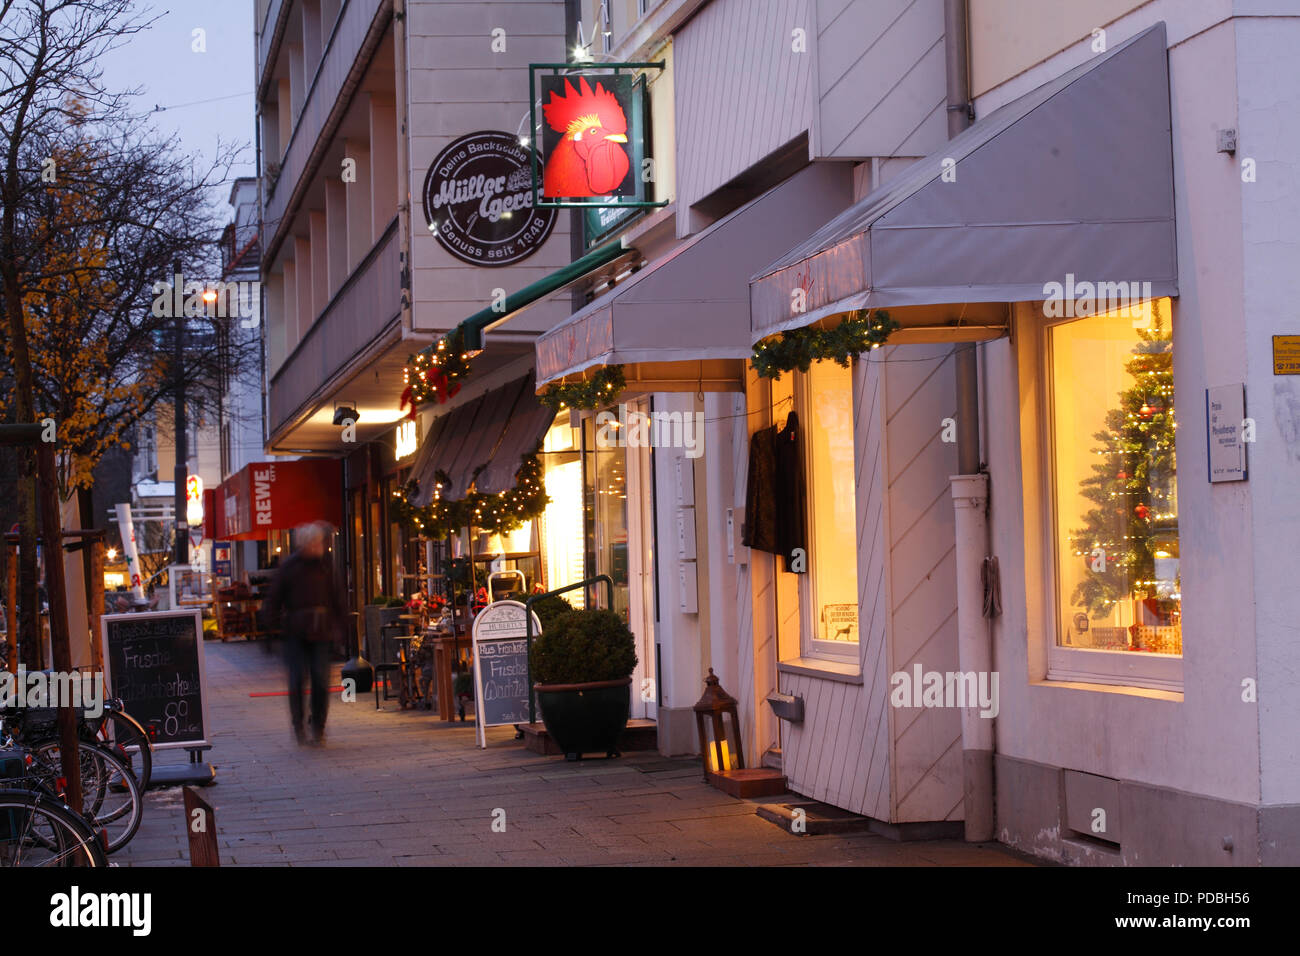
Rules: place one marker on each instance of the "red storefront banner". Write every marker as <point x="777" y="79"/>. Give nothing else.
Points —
<point x="214" y="511"/>
<point x="280" y="495"/>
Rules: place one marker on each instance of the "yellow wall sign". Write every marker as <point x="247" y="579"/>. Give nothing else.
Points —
<point x="1286" y="355"/>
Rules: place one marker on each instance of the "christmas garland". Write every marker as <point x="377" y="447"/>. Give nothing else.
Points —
<point x="435" y="375"/>
<point x="601" y="389"/>
<point x="799" y="348"/>
<point x="493" y="513"/>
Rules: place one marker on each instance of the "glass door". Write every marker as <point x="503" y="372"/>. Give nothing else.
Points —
<point x="618" y="539"/>
<point x="641" y="595"/>
<point x="605" y="476"/>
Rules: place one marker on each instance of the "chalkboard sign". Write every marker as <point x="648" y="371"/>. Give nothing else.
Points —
<point x="501" y="665"/>
<point x="153" y="661"/>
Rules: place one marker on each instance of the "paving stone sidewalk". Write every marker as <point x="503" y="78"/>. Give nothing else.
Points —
<point x="402" y="788"/>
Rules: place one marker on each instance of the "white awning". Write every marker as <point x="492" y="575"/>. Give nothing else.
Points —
<point x="693" y="304"/>
<point x="1073" y="179"/>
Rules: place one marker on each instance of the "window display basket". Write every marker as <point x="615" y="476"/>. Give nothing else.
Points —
<point x="1166" y="639"/>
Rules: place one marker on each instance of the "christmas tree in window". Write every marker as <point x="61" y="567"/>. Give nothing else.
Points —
<point x="1129" y="542"/>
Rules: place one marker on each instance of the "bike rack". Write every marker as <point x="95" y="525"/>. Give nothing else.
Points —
<point x="528" y="622"/>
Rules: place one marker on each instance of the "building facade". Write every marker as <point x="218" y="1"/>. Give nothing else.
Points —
<point x="356" y="101"/>
<point x="1127" y="724"/>
<point x="956" y="580"/>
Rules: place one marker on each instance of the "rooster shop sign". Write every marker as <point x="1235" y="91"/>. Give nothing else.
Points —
<point x="478" y="200"/>
<point x="594" y="136"/>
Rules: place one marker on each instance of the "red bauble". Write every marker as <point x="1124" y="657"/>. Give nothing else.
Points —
<point x="1142" y="511"/>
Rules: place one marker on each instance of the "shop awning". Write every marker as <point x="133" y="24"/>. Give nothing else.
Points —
<point x="693" y="304"/>
<point x="482" y="442"/>
<point x="1074" y="178"/>
<point x="280" y="495"/>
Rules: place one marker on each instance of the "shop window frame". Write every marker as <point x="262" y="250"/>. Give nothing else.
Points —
<point x="1078" y="664"/>
<point x="811" y="647"/>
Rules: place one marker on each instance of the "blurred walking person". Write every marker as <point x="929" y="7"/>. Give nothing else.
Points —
<point x="307" y="600"/>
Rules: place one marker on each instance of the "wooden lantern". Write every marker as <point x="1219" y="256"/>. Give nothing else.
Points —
<point x="721" y="750"/>
<point x="719" y="754"/>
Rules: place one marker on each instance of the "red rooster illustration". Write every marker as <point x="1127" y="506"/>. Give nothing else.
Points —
<point x="589" y="160"/>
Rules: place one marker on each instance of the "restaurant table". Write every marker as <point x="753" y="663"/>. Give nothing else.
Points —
<point x="445" y="648"/>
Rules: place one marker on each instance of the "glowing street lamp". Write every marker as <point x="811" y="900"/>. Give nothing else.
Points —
<point x="194" y="500"/>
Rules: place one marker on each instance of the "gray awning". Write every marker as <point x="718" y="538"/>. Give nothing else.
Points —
<point x="1073" y="178"/>
<point x="525" y="426"/>
<point x="693" y="304"/>
<point x="482" y="442"/>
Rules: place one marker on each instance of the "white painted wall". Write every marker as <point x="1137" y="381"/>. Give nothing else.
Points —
<point x="854" y="749"/>
<point x="742" y="91"/>
<point x="880" y="78"/>
<point x="458" y="85"/>
<point x="1237" y="540"/>
<point x="678" y="633"/>
<point x="1268" y="130"/>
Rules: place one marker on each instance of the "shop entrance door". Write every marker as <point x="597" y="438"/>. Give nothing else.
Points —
<point x="641" y="595"/>
<point x="618" y="502"/>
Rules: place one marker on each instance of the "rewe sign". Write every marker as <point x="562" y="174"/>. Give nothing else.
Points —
<point x="263" y="509"/>
<point x="280" y="495"/>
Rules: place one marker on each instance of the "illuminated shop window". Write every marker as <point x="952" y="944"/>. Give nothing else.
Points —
<point x="562" y="522"/>
<point x="829" y="589"/>
<point x="1114" y="482"/>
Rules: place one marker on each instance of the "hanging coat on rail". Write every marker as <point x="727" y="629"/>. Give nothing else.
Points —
<point x="774" y="498"/>
<point x="759" y="531"/>
<point x="791" y="532"/>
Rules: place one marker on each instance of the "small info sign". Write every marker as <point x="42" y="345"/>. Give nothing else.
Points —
<point x="1225" y="414"/>
<point x="1286" y="355"/>
<point x="501" y="665"/>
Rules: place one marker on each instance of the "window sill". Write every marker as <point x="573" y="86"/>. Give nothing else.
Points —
<point x="1111" y="669"/>
<point x="1152" y="693"/>
<point x="844" y="672"/>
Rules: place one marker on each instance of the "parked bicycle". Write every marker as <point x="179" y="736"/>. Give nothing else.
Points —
<point x="112" y="799"/>
<point x="36" y="827"/>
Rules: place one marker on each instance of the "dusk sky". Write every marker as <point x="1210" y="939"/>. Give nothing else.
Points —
<point x="206" y="96"/>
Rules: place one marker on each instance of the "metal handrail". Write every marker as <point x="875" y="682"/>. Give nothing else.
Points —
<point x="528" y="623"/>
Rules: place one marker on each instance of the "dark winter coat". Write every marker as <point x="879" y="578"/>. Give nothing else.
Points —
<point x="775" y="501"/>
<point x="307" y="600"/>
<point x="759" y="531"/>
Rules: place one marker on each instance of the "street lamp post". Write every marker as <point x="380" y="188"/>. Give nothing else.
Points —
<point x="181" y="470"/>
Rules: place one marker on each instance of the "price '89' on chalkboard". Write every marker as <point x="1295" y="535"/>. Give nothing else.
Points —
<point x="154" y="664"/>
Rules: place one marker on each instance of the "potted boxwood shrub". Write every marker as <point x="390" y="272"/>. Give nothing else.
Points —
<point x="549" y="609"/>
<point x="582" y="671"/>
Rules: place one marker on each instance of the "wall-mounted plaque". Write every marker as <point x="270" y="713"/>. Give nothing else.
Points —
<point x="478" y="200"/>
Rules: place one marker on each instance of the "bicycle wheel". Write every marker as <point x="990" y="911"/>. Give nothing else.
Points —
<point x="122" y="733"/>
<point x="110" y="795"/>
<point x="37" y="831"/>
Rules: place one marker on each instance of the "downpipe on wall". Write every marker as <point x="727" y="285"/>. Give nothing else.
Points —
<point x="969" y="497"/>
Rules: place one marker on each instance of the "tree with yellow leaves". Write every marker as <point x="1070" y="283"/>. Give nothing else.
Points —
<point x="94" y="210"/>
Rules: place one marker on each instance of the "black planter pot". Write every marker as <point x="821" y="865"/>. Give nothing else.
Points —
<point x="359" y="670"/>
<point x="586" y="718"/>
